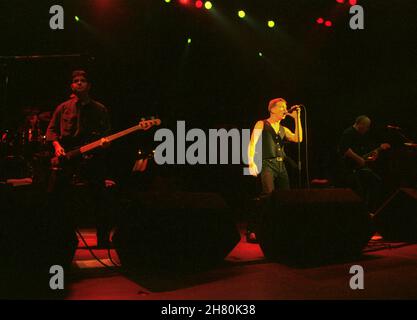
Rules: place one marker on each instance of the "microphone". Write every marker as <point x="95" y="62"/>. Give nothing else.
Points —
<point x="293" y="108"/>
<point x="393" y="127"/>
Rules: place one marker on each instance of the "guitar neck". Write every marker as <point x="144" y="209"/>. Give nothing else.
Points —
<point x="143" y="125"/>
<point x="96" y="144"/>
<point x="370" y="153"/>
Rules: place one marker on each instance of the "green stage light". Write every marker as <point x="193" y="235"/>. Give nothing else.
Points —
<point x="271" y="23"/>
<point x="208" y="5"/>
<point x="241" y="14"/>
<point x="189" y="40"/>
<point x="260" y="54"/>
<point x="77" y="18"/>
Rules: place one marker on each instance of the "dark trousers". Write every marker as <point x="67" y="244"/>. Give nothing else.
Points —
<point x="65" y="187"/>
<point x="273" y="176"/>
<point x="368" y="185"/>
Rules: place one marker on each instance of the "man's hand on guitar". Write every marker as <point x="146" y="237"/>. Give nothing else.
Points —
<point x="109" y="183"/>
<point x="59" y="150"/>
<point x="104" y="143"/>
<point x="373" y="157"/>
<point x="385" y="146"/>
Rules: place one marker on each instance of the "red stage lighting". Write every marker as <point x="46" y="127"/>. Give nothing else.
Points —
<point x="199" y="4"/>
<point x="353" y="2"/>
<point x="340" y="1"/>
<point x="328" y="23"/>
<point x="320" y="20"/>
<point x="184" y="2"/>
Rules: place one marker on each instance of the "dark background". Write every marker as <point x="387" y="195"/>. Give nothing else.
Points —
<point x="141" y="65"/>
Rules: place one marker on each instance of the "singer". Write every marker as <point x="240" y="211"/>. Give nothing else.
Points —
<point x="273" y="135"/>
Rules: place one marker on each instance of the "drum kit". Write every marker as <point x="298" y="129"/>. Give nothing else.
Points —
<point x="24" y="151"/>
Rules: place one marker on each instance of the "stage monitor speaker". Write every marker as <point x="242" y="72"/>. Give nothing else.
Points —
<point x="396" y="219"/>
<point x="32" y="240"/>
<point x="175" y="232"/>
<point x="313" y="226"/>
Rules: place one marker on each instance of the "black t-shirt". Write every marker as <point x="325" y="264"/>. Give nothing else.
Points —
<point x="351" y="138"/>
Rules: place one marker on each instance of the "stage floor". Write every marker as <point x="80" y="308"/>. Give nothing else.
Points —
<point x="390" y="273"/>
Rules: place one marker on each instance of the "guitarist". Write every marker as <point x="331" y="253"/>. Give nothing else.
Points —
<point x="357" y="152"/>
<point x="74" y="123"/>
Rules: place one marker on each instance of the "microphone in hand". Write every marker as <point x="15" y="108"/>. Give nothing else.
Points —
<point x="296" y="107"/>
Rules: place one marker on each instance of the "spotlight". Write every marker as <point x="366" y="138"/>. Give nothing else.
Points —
<point x="189" y="40"/>
<point x="271" y="23"/>
<point x="167" y="1"/>
<point x="184" y="2"/>
<point x="340" y="1"/>
<point x="208" y="5"/>
<point x="241" y="14"/>
<point x="260" y="54"/>
<point x="328" y="23"/>
<point x="77" y="18"/>
<point x="320" y="20"/>
<point x="199" y="4"/>
<point x="353" y="2"/>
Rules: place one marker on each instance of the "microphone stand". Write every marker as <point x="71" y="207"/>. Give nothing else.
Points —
<point x="5" y="93"/>
<point x="298" y="146"/>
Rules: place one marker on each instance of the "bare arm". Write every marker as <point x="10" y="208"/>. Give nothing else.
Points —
<point x="293" y="137"/>
<point x="355" y="157"/>
<point x="256" y="134"/>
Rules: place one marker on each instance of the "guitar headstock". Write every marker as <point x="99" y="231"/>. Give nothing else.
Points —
<point x="147" y="124"/>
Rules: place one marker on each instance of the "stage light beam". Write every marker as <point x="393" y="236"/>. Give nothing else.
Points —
<point x="271" y="23"/>
<point x="241" y="14"/>
<point x="77" y="18"/>
<point x="199" y="4"/>
<point x="320" y="20"/>
<point x="208" y="5"/>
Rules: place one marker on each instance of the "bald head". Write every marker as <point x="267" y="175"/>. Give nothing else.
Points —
<point x="362" y="124"/>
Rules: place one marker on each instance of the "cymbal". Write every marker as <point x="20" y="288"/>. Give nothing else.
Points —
<point x="31" y="111"/>
<point x="45" y="116"/>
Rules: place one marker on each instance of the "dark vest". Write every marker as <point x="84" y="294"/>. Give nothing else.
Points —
<point x="272" y="143"/>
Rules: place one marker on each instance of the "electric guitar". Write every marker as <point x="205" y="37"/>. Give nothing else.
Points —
<point x="57" y="162"/>
<point x="372" y="156"/>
